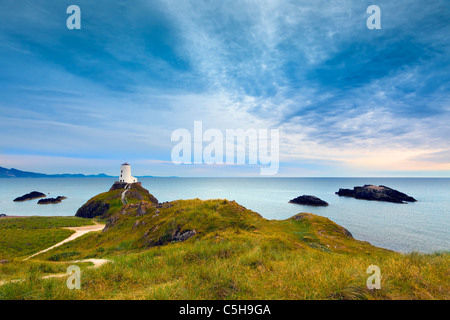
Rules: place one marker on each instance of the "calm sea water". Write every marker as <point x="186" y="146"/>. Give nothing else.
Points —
<point x="422" y="226"/>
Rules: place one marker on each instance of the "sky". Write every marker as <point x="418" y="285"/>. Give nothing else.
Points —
<point x="347" y="100"/>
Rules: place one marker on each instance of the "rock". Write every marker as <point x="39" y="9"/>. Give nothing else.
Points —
<point x="2" y="215"/>
<point x="111" y="222"/>
<point x="183" y="236"/>
<point x="346" y="232"/>
<point x="166" y="204"/>
<point x="380" y="193"/>
<point x="309" y="201"/>
<point x="299" y="216"/>
<point x="137" y="224"/>
<point x="52" y="200"/>
<point x="175" y="235"/>
<point x="30" y="196"/>
<point x="93" y="209"/>
<point x="4" y="261"/>
<point x="141" y="210"/>
<point x="122" y="185"/>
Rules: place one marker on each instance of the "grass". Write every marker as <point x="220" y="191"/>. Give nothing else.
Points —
<point x="234" y="254"/>
<point x="21" y="237"/>
<point x="42" y="222"/>
<point x="19" y="269"/>
<point x="22" y="243"/>
<point x="237" y="269"/>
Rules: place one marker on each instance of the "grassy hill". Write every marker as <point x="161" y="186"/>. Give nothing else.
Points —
<point x="108" y="203"/>
<point x="218" y="249"/>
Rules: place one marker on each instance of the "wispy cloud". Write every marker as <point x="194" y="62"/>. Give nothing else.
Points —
<point x="343" y="96"/>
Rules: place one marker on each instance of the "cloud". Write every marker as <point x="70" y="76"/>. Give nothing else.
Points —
<point x="343" y="96"/>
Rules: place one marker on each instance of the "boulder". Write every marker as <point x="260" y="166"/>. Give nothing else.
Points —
<point x="376" y="193"/>
<point x="307" y="200"/>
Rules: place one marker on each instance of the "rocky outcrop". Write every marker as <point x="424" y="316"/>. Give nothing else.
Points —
<point x="183" y="236"/>
<point x="135" y="191"/>
<point x="120" y="196"/>
<point x="92" y="209"/>
<point x="52" y="200"/>
<point x="176" y="235"/>
<point x="376" y="193"/>
<point x="30" y="196"/>
<point x="309" y="201"/>
<point x="122" y="185"/>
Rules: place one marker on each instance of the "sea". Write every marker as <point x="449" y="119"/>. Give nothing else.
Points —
<point x="423" y="226"/>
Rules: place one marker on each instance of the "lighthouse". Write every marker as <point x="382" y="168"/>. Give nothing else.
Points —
<point x="125" y="174"/>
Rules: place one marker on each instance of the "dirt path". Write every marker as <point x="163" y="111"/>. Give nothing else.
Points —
<point x="124" y="200"/>
<point x="79" y="231"/>
<point x="97" y="263"/>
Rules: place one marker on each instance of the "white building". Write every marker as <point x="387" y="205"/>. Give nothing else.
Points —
<point x="125" y="174"/>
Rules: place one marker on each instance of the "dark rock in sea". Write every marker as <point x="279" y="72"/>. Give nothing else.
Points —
<point x="52" y="200"/>
<point x="380" y="193"/>
<point x="309" y="201"/>
<point x="30" y="196"/>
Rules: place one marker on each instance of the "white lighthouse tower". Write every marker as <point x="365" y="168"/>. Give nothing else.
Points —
<point x="125" y="174"/>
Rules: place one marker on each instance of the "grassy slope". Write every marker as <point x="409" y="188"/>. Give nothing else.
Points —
<point x="235" y="254"/>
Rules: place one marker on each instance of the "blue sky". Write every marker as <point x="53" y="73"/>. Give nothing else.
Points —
<point x="348" y="101"/>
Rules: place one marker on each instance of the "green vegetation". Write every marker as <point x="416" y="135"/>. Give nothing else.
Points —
<point x="21" y="237"/>
<point x="22" y="243"/>
<point x="36" y="222"/>
<point x="217" y="249"/>
<point x="19" y="269"/>
<point x="109" y="203"/>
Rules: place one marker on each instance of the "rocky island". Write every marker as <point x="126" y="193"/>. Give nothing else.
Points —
<point x="376" y="193"/>
<point x="30" y="196"/>
<point x="309" y="201"/>
<point x="52" y="200"/>
<point x="119" y="194"/>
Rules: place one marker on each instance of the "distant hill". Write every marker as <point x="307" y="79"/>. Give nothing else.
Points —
<point x="15" y="173"/>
